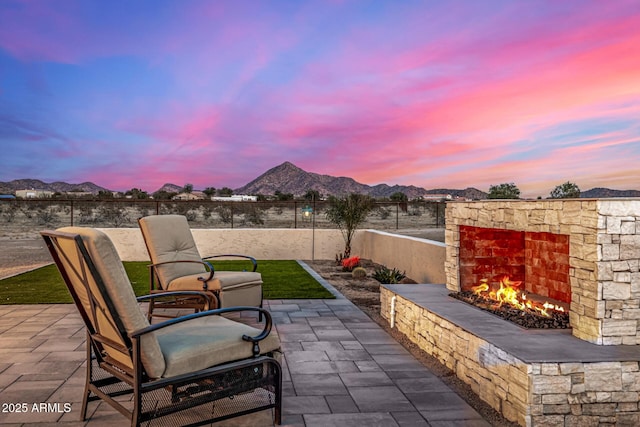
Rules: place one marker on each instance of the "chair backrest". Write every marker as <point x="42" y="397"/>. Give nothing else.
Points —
<point x="98" y="283"/>
<point x="169" y="238"/>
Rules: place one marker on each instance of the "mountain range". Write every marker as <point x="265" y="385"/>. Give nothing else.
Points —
<point x="288" y="178"/>
<point x="62" y="187"/>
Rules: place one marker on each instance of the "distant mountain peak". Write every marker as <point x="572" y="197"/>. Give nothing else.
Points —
<point x="289" y="178"/>
<point x="287" y="164"/>
<point x="170" y="188"/>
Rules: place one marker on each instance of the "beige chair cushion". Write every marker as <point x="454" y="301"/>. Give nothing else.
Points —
<point x="232" y="279"/>
<point x="169" y="238"/>
<point x="208" y="341"/>
<point x="225" y="280"/>
<point x="191" y="283"/>
<point x="109" y="266"/>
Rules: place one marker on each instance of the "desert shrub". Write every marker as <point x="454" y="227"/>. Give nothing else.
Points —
<point x="252" y="215"/>
<point x="186" y="209"/>
<point x="348" y="264"/>
<point x="206" y="212"/>
<point x="46" y="217"/>
<point x="191" y="215"/>
<point x="383" y="213"/>
<point x="388" y="276"/>
<point x="113" y="214"/>
<point x="86" y="214"/>
<point x="225" y="213"/>
<point x="27" y="209"/>
<point x="143" y="210"/>
<point x="166" y="208"/>
<point x="8" y="212"/>
<point x="359" y="273"/>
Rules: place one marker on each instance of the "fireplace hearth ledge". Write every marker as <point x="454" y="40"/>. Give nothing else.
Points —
<point x="532" y="377"/>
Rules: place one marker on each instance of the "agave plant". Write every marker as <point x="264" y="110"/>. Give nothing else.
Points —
<point x="386" y="275"/>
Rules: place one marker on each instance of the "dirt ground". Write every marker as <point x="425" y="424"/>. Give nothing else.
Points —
<point x="19" y="255"/>
<point x="365" y="293"/>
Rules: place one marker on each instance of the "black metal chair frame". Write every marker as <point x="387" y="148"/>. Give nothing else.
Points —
<point x="185" y="302"/>
<point x="190" y="302"/>
<point x="107" y="378"/>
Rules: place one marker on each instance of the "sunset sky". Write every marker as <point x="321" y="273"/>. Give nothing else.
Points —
<point x="430" y="93"/>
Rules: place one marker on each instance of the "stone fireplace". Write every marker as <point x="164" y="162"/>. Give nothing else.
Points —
<point x="585" y="253"/>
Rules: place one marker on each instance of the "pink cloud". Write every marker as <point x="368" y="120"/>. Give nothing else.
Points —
<point x="433" y="97"/>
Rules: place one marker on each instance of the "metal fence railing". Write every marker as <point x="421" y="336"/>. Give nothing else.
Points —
<point x="32" y="215"/>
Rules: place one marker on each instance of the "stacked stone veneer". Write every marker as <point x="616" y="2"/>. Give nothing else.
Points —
<point x="531" y="394"/>
<point x="604" y="256"/>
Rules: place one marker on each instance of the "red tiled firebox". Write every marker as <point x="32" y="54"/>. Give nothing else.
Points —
<point x="539" y="259"/>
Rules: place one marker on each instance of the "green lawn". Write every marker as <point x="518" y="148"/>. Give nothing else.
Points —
<point x="282" y="280"/>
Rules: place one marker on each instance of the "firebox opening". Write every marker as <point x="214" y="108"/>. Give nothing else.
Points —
<point x="537" y="259"/>
<point x="518" y="275"/>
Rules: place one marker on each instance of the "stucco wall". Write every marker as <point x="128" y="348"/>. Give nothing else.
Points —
<point x="258" y="243"/>
<point x="421" y="259"/>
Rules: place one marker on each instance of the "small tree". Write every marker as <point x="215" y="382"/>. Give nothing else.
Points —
<point x="311" y="195"/>
<point x="398" y="196"/>
<point x="225" y="192"/>
<point x="568" y="190"/>
<point x="209" y="191"/>
<point x="188" y="188"/>
<point x="163" y="195"/>
<point x="137" y="193"/>
<point x="504" y="191"/>
<point x="283" y="196"/>
<point x="347" y="213"/>
<point x="103" y="194"/>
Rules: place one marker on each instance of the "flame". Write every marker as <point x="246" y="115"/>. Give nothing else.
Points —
<point x="508" y="292"/>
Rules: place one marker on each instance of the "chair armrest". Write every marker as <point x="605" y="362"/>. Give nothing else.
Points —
<point x="250" y="258"/>
<point x="204" y="295"/>
<point x="266" y="330"/>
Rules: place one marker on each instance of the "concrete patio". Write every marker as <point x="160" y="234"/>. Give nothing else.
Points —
<point x="340" y="369"/>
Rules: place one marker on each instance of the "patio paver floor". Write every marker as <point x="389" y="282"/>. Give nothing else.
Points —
<point x="339" y="369"/>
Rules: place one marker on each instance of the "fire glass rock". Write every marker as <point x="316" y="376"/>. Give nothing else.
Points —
<point x="526" y="319"/>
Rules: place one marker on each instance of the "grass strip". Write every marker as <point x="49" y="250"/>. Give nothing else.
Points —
<point x="283" y="279"/>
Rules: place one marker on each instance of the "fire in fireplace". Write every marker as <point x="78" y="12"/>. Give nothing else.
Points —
<point x="518" y="275"/>
<point x="508" y="300"/>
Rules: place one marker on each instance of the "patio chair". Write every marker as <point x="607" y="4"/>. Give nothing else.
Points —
<point x="194" y="369"/>
<point x="176" y="264"/>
